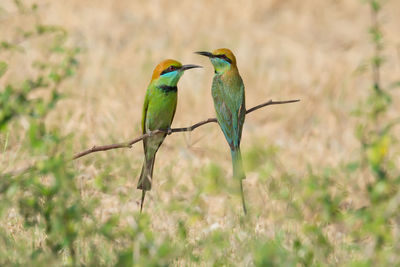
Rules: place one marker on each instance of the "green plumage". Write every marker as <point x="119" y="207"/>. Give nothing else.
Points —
<point x="158" y="112"/>
<point x="229" y="102"/>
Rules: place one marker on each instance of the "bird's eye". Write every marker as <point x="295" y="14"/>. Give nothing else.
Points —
<point x="171" y="68"/>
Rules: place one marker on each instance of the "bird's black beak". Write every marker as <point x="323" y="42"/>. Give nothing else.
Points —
<point x="204" y="53"/>
<point x="189" y="66"/>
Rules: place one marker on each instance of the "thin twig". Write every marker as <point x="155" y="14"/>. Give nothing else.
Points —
<point x="169" y="131"/>
<point x="377" y="49"/>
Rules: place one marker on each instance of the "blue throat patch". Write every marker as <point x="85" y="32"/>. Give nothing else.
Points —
<point x="220" y="65"/>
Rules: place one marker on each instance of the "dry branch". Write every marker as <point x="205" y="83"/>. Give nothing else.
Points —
<point x="170" y="131"/>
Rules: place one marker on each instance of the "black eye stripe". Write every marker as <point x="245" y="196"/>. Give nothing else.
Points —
<point x="169" y="69"/>
<point x="224" y="57"/>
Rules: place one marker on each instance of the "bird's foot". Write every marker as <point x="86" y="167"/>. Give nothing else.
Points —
<point x="169" y="131"/>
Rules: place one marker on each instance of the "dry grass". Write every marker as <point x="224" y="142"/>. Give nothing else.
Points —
<point x="285" y="50"/>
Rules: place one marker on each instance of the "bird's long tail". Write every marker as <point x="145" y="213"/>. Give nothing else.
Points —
<point x="145" y="178"/>
<point x="142" y="200"/>
<point x="238" y="173"/>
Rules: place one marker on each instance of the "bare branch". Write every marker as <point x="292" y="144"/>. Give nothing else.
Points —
<point x="170" y="131"/>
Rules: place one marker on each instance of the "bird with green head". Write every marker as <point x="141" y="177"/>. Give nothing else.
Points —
<point x="229" y="103"/>
<point x="158" y="112"/>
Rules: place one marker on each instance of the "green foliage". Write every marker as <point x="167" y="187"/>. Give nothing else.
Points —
<point x="44" y="195"/>
<point x="377" y="220"/>
<point x="3" y="68"/>
<point x="272" y="253"/>
<point x="59" y="227"/>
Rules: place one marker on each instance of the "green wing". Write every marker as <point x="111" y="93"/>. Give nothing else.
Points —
<point x="144" y="112"/>
<point x="229" y="103"/>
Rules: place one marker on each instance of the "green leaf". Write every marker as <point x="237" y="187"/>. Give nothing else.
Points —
<point x="125" y="258"/>
<point x="3" y="68"/>
<point x="108" y="227"/>
<point x="55" y="77"/>
<point x="394" y="85"/>
<point x="375" y="5"/>
<point x="352" y="166"/>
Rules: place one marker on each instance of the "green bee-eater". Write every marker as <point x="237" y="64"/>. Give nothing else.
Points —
<point x="229" y="102"/>
<point x="158" y="112"/>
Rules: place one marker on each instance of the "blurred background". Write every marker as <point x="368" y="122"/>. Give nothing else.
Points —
<point x="285" y="50"/>
<point x="316" y="51"/>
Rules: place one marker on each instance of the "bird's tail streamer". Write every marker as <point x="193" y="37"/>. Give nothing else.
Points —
<point x="238" y="172"/>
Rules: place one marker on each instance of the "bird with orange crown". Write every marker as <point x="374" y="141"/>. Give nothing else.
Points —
<point x="229" y="103"/>
<point x="158" y="112"/>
